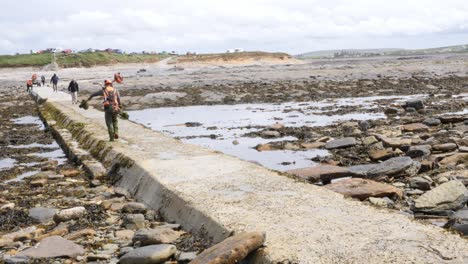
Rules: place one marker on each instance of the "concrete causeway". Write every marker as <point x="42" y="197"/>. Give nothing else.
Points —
<point x="215" y="194"/>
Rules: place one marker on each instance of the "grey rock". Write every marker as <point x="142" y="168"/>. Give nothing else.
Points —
<point x="420" y="183"/>
<point x="156" y="236"/>
<point x="419" y="151"/>
<point x="445" y="147"/>
<point x="134" y="208"/>
<point x="415" y="103"/>
<point x="451" y="195"/>
<point x="432" y="122"/>
<point x="398" y="166"/>
<point x="149" y="255"/>
<point x="53" y="247"/>
<point x="69" y="214"/>
<point x="17" y="260"/>
<point x="125" y="250"/>
<point x="42" y="214"/>
<point x="134" y="221"/>
<point x="461" y="215"/>
<point x="186" y="257"/>
<point x="462" y="228"/>
<point x="341" y="143"/>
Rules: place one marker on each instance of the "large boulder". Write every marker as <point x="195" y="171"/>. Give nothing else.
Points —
<point x="362" y="188"/>
<point x="451" y="195"/>
<point x="324" y="173"/>
<point x="53" y="247"/>
<point x="341" y="143"/>
<point x="153" y="254"/>
<point x="231" y="250"/>
<point x="398" y="166"/>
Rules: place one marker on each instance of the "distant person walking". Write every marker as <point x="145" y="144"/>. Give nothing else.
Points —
<point x="54" y="80"/>
<point x="73" y="89"/>
<point x="111" y="106"/>
<point x="29" y="85"/>
<point x="43" y="80"/>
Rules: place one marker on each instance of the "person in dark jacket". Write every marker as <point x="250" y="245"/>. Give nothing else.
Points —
<point x="112" y="107"/>
<point x="43" y="80"/>
<point x="54" y="80"/>
<point x="73" y="89"/>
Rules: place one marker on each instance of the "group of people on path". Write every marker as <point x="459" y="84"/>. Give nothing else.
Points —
<point x="29" y="83"/>
<point x="111" y="99"/>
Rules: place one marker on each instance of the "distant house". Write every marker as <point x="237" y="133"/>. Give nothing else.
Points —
<point x="67" y="51"/>
<point x="230" y="51"/>
<point x="173" y="53"/>
<point x="235" y="50"/>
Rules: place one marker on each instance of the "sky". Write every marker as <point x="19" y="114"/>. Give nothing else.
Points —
<point x="293" y="26"/>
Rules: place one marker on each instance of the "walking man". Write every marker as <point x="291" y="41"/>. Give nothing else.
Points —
<point x="54" y="80"/>
<point x="43" y="80"/>
<point x="73" y="89"/>
<point x="111" y="106"/>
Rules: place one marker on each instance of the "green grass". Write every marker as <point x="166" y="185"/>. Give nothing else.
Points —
<point x="87" y="59"/>
<point x="25" y="60"/>
<point x="90" y="59"/>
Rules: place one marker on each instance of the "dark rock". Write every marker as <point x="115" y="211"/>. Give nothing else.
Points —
<point x="419" y="151"/>
<point x="432" y="122"/>
<point x="420" y="183"/>
<point x="324" y="173"/>
<point x="415" y="103"/>
<point x="451" y="119"/>
<point x="391" y="111"/>
<point x="119" y="191"/>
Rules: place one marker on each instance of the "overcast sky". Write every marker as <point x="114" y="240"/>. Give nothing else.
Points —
<point x="294" y="26"/>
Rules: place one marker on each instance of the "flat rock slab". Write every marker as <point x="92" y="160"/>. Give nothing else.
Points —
<point x="156" y="236"/>
<point x="416" y="127"/>
<point x="341" y="143"/>
<point x="231" y="250"/>
<point x="362" y="188"/>
<point x="53" y="247"/>
<point x="404" y="166"/>
<point x="149" y="254"/>
<point x="321" y="173"/>
<point x="451" y="195"/>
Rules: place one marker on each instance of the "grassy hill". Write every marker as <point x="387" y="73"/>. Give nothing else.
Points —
<point x="231" y="57"/>
<point x="87" y="59"/>
<point x="381" y="52"/>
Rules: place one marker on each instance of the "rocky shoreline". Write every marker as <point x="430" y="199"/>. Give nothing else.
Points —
<point x="414" y="161"/>
<point x="52" y="212"/>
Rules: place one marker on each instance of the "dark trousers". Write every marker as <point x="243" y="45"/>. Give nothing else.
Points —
<point x="112" y="123"/>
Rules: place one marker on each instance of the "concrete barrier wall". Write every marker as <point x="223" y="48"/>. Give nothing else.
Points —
<point x="214" y="194"/>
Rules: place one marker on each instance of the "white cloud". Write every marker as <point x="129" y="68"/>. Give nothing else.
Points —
<point x="209" y="25"/>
